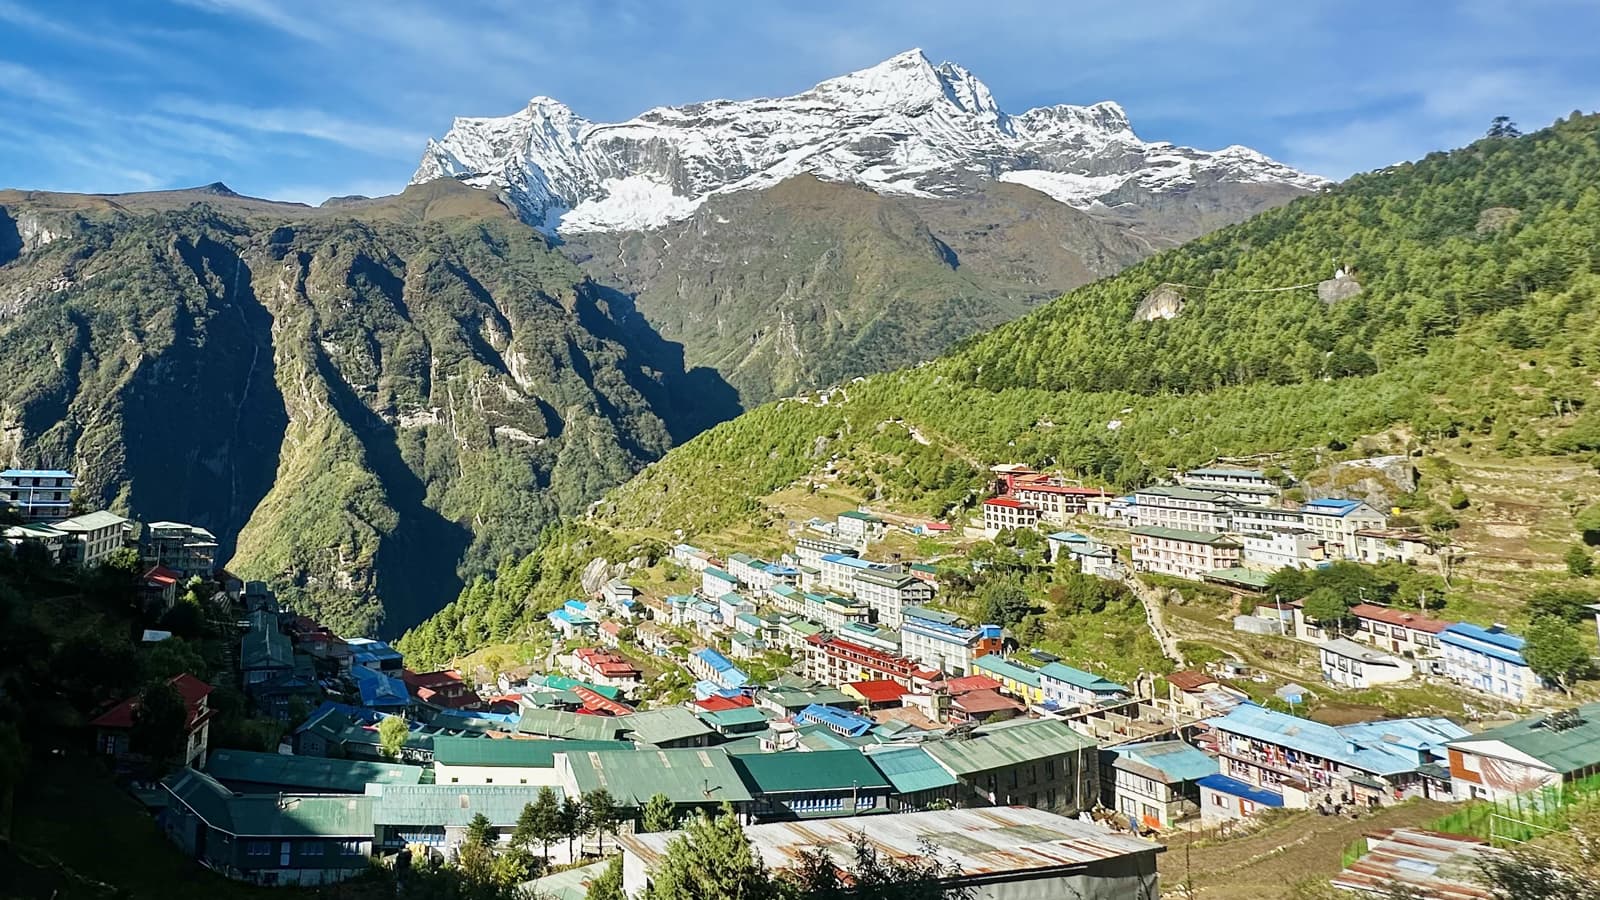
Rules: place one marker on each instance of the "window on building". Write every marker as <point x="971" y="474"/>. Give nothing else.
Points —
<point x="311" y="848"/>
<point x="350" y="848"/>
<point x="258" y="848"/>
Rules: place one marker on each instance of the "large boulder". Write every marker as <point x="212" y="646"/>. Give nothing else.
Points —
<point x="1338" y="288"/>
<point x="1165" y="302"/>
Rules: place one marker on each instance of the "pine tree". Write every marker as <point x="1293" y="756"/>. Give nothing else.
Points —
<point x="392" y="734"/>
<point x="711" y="858"/>
<point x="547" y="822"/>
<point x="608" y="884"/>
<point x="659" y="814"/>
<point x="599" y="815"/>
<point x="571" y="822"/>
<point x="1502" y="126"/>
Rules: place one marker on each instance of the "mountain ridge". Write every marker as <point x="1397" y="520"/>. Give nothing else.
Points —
<point x="903" y="126"/>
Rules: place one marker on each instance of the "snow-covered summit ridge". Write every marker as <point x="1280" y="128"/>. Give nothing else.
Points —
<point x="904" y="126"/>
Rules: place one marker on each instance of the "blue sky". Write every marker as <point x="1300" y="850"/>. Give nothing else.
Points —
<point x="302" y="100"/>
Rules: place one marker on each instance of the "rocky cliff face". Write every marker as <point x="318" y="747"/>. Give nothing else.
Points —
<point x="376" y="398"/>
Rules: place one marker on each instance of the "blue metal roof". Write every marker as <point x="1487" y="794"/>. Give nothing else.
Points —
<point x="1071" y="537"/>
<point x="1332" y="506"/>
<point x="1491" y="642"/>
<point x="1178" y="760"/>
<point x="715" y="572"/>
<point x="35" y="473"/>
<point x="848" y="724"/>
<point x="854" y="562"/>
<point x="1236" y="788"/>
<point x="714" y="659"/>
<point x="1387" y="747"/>
<point x="380" y="690"/>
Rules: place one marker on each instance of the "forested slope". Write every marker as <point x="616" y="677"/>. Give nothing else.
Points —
<point x="377" y="398"/>
<point x="1480" y="276"/>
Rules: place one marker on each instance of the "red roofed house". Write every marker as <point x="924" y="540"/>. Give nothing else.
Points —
<point x="113" y="727"/>
<point x="605" y="667"/>
<point x="832" y="660"/>
<point x="715" y="703"/>
<point x="1054" y="500"/>
<point x="983" y="706"/>
<point x="443" y="689"/>
<point x="966" y="684"/>
<point x="876" y="693"/>
<point x="611" y="633"/>
<point x="1000" y="513"/>
<point x="161" y="588"/>
<point x="595" y="703"/>
<point x="1398" y="631"/>
<point x="1198" y="694"/>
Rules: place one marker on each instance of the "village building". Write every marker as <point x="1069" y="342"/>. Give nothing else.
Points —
<point x="809" y="551"/>
<point x="246" y="772"/>
<point x="1092" y="557"/>
<point x="1248" y="486"/>
<point x="671" y="727"/>
<point x="715" y="582"/>
<point x="1040" y="763"/>
<point x="188" y="549"/>
<point x="859" y="528"/>
<point x="1055" y="501"/>
<point x="693" y="780"/>
<point x="1246" y="519"/>
<point x="820" y="784"/>
<point x="1197" y="695"/>
<point x="889" y="591"/>
<point x="618" y="594"/>
<point x="940" y="640"/>
<point x="1065" y="687"/>
<point x="38" y="495"/>
<point x="51" y="543"/>
<point x="1488" y="660"/>
<point x="918" y="780"/>
<point x="92" y="537"/>
<point x="160" y="588"/>
<point x="1188" y="509"/>
<point x="436" y="816"/>
<point x="1001" y="513"/>
<point x="1377" y="546"/>
<point x="707" y="664"/>
<point x="1181" y="553"/>
<point x="834" y="660"/>
<point x="1015" y="679"/>
<point x="1059" y="857"/>
<point x="691" y="557"/>
<point x="602" y="667"/>
<point x="1270" y="551"/>
<point x="1306" y="763"/>
<point x="838" y="571"/>
<point x="1410" y="635"/>
<point x="376" y="655"/>
<point x="1411" y="862"/>
<point x="444" y="689"/>
<point x="1339" y="520"/>
<point x="1156" y="784"/>
<point x="1542" y="751"/>
<point x="269" y="838"/>
<point x="113" y="729"/>
<point x="1352" y="665"/>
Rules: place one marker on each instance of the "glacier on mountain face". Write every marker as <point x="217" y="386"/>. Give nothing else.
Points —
<point x="904" y="126"/>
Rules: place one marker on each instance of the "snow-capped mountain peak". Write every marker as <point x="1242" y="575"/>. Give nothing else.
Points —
<point x="903" y="126"/>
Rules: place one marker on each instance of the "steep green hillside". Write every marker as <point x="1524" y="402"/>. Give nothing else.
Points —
<point x="811" y="282"/>
<point x="1477" y="320"/>
<point x="372" y="396"/>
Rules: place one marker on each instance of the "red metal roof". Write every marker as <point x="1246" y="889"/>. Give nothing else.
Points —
<point x="162" y="575"/>
<point x="723" y="704"/>
<point x="595" y="703"/>
<point x="1190" y="680"/>
<point x="1010" y="502"/>
<point x="974" y="702"/>
<point x="969" y="683"/>
<point x="1398" y="617"/>
<point x="878" y="691"/>
<point x="192" y="689"/>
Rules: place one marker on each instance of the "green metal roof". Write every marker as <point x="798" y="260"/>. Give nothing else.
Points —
<point x="526" y="754"/>
<point x="450" y="804"/>
<point x="911" y="769"/>
<point x="998" y="748"/>
<point x="1564" y="750"/>
<point x="272" y="815"/>
<point x="309" y="773"/>
<point x="820" y="770"/>
<point x="563" y="683"/>
<point x="660" y="726"/>
<point x="859" y="516"/>
<point x="561" y="724"/>
<point x="1251" y="578"/>
<point x="993" y="664"/>
<point x="744" y="715"/>
<point x="1185" y="535"/>
<point x="570" y="884"/>
<point x="1178" y="492"/>
<point x="799" y="699"/>
<point x="264" y="646"/>
<point x="686" y="776"/>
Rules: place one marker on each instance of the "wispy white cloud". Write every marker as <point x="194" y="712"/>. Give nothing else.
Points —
<point x="276" y="15"/>
<point x="29" y="84"/>
<point x="378" y="140"/>
<point x="97" y="36"/>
